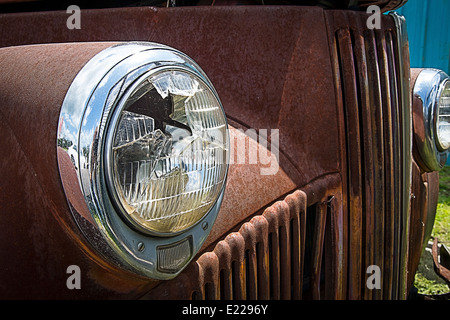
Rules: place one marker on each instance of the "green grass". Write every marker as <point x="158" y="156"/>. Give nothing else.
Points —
<point x="429" y="287"/>
<point x="441" y="230"/>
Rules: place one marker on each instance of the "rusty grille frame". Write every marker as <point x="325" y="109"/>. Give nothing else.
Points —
<point x="371" y="70"/>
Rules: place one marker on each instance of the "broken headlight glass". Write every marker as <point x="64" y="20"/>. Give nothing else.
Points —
<point x="169" y="152"/>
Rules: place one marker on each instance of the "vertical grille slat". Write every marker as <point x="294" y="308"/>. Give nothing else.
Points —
<point x="251" y="275"/>
<point x="389" y="124"/>
<point x="393" y="232"/>
<point x="348" y="89"/>
<point x="317" y="250"/>
<point x="335" y="284"/>
<point x="371" y="153"/>
<point x="261" y="230"/>
<point x="274" y="266"/>
<point x="239" y="277"/>
<point x="390" y="94"/>
<point x="285" y="262"/>
<point x="296" y="260"/>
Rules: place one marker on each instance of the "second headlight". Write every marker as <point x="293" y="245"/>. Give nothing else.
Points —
<point x="432" y="118"/>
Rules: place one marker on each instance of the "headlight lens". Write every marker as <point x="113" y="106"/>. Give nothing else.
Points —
<point x="443" y="119"/>
<point x="168" y="152"/>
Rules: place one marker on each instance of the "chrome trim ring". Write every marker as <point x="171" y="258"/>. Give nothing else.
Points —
<point x="84" y="120"/>
<point x="443" y="86"/>
<point x="428" y="88"/>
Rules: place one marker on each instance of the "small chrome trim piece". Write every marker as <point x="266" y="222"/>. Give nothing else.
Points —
<point x="428" y="87"/>
<point x="406" y="151"/>
<point x="83" y="125"/>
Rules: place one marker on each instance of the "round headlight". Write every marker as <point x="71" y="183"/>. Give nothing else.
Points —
<point x="167" y="152"/>
<point x="443" y="118"/>
<point x="148" y="136"/>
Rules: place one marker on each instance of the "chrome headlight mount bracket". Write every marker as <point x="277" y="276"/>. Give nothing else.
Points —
<point x="85" y="118"/>
<point x="428" y="88"/>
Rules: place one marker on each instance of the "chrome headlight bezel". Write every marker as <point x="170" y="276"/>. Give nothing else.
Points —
<point x="445" y="85"/>
<point x="85" y="118"/>
<point x="428" y="88"/>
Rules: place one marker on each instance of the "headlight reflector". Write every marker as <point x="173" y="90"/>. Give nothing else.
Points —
<point x="443" y="119"/>
<point x="168" y="152"/>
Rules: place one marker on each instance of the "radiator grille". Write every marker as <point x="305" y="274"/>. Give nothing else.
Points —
<point x="263" y="260"/>
<point x="279" y="254"/>
<point x="368" y="87"/>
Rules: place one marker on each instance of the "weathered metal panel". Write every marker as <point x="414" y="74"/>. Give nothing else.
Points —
<point x="293" y="250"/>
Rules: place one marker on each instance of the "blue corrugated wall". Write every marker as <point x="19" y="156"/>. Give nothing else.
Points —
<point x="428" y="23"/>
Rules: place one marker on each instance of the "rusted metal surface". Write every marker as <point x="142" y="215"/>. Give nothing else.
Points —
<point x="367" y="81"/>
<point x="245" y="179"/>
<point x="440" y="269"/>
<point x="262" y="91"/>
<point x="38" y="234"/>
<point x="418" y="120"/>
<point x="424" y="199"/>
<point x="354" y="175"/>
<point x="425" y="189"/>
<point x="265" y="257"/>
<point x="432" y="182"/>
<point x="419" y="210"/>
<point x="337" y="119"/>
<point x="260" y="85"/>
<point x="253" y="88"/>
<point x="270" y="85"/>
<point x="237" y="207"/>
<point x="384" y="5"/>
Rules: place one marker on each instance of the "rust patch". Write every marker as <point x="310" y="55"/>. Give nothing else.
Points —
<point x="440" y="269"/>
